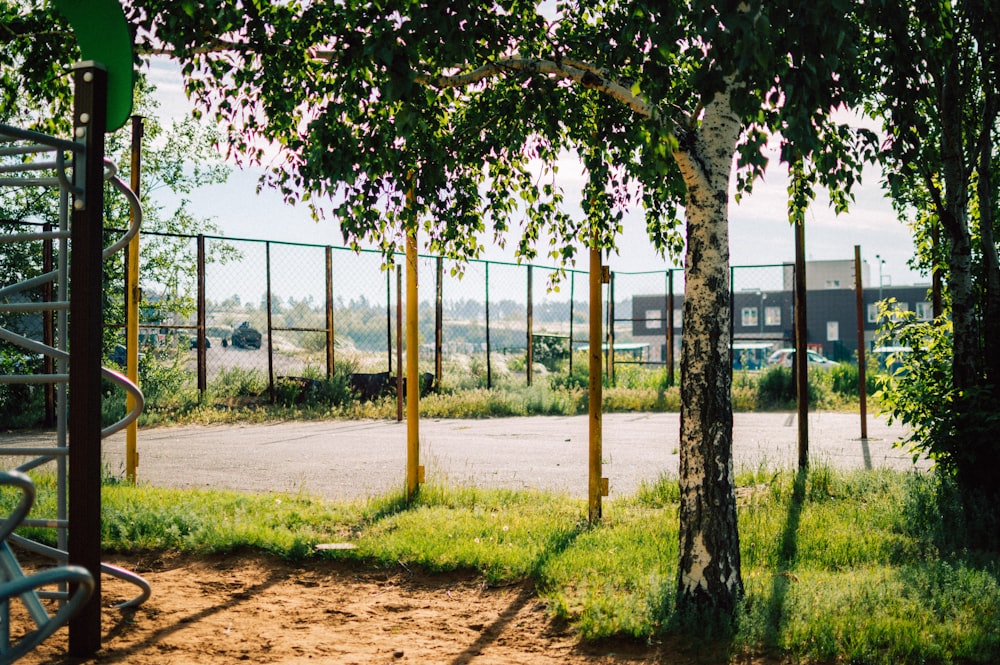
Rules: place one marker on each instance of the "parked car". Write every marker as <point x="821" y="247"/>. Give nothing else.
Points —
<point x="786" y="358"/>
<point x="246" y="337"/>
<point x="193" y="343"/>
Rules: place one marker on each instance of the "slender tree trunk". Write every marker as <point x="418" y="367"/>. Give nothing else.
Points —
<point x="955" y="224"/>
<point x="709" y="572"/>
<point x="991" y="263"/>
<point x="976" y="451"/>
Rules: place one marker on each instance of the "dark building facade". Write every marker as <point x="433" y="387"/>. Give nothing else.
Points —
<point x="765" y="319"/>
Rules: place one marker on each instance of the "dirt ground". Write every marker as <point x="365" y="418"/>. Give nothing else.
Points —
<point x="254" y="608"/>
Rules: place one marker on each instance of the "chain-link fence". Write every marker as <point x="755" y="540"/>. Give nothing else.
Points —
<point x="288" y="309"/>
<point x="274" y="309"/>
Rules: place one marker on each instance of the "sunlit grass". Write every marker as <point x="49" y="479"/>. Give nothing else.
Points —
<point x="859" y="567"/>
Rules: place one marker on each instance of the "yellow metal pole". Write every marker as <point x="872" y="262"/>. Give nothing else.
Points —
<point x="414" y="475"/>
<point x="596" y="483"/>
<point x="132" y="312"/>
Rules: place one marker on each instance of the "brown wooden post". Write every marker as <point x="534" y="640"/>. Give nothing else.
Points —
<point x="201" y="317"/>
<point x="438" y="320"/>
<point x="270" y="344"/>
<point x="670" y="327"/>
<point x="801" y="368"/>
<point x="489" y="367"/>
<point x="611" y="330"/>
<point x="330" y="358"/>
<point x="529" y="355"/>
<point x="572" y="289"/>
<point x="596" y="484"/>
<point x="859" y="294"/>
<point x="86" y="323"/>
<point x="388" y="316"/>
<point x="399" y="344"/>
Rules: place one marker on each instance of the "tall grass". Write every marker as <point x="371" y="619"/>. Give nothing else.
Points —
<point x="243" y="395"/>
<point x="859" y="567"/>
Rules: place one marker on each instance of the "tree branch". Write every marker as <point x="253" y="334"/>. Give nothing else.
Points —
<point x="211" y="45"/>
<point x="588" y="77"/>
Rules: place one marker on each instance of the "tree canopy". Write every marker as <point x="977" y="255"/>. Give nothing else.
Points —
<point x="469" y="106"/>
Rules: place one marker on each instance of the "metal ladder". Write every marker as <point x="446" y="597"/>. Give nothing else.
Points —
<point x="34" y="160"/>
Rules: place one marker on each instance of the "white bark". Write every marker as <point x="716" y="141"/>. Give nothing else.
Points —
<point x="709" y="542"/>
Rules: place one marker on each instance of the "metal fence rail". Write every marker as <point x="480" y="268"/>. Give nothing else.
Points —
<point x="481" y="324"/>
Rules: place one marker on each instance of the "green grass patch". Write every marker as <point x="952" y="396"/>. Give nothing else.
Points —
<point x="853" y="567"/>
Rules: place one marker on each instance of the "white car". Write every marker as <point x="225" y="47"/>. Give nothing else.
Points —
<point x="786" y="358"/>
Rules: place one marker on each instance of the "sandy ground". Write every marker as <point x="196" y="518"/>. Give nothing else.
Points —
<point x="254" y="608"/>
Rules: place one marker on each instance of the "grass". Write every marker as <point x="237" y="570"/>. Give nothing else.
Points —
<point x="852" y="567"/>
<point x="239" y="395"/>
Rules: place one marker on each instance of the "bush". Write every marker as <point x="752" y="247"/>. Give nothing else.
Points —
<point x="21" y="405"/>
<point x="957" y="428"/>
<point x="844" y="380"/>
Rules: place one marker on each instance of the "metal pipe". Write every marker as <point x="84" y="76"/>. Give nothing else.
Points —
<point x="413" y="475"/>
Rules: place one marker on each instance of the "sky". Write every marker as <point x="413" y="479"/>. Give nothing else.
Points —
<point x="759" y="230"/>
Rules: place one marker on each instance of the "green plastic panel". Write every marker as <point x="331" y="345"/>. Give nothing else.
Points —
<point x="104" y="37"/>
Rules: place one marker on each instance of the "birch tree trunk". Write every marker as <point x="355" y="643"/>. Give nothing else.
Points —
<point x="709" y="572"/>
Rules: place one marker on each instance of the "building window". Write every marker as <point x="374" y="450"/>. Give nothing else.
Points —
<point x="833" y="331"/>
<point x="772" y="316"/>
<point x="678" y="317"/>
<point x="833" y="283"/>
<point x="653" y="319"/>
<point x="873" y="313"/>
<point x="749" y="317"/>
<point x="924" y="310"/>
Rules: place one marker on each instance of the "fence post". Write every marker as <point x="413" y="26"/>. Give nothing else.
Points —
<point x="732" y="311"/>
<point x="611" y="330"/>
<point x="202" y="369"/>
<point x="133" y="296"/>
<point x="529" y="355"/>
<point x="801" y="349"/>
<point x="399" y="345"/>
<point x="388" y="316"/>
<point x="595" y="481"/>
<point x="270" y="345"/>
<point x="414" y="472"/>
<point x="329" y="313"/>
<point x="859" y="295"/>
<point x="670" y="327"/>
<point x="86" y="323"/>
<point x="438" y="320"/>
<point x="572" y="286"/>
<point x="489" y="366"/>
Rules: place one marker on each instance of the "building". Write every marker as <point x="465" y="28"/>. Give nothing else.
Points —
<point x="764" y="320"/>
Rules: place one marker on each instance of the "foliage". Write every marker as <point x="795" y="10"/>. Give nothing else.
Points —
<point x="936" y="66"/>
<point x="398" y="117"/>
<point x="20" y="405"/>
<point x="954" y="427"/>
<point x="549" y="350"/>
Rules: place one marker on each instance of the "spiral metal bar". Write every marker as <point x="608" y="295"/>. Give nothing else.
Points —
<point x="44" y="161"/>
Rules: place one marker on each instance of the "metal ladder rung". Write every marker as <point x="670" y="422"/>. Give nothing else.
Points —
<point x="48" y="451"/>
<point x="34" y="306"/>
<point x="30" y="237"/>
<point x="33" y="379"/>
<point x="25" y="167"/>
<point x="44" y="523"/>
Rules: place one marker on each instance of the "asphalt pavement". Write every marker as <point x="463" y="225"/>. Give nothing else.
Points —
<point x="345" y="460"/>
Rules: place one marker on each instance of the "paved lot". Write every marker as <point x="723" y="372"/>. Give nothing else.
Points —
<point x="347" y="460"/>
